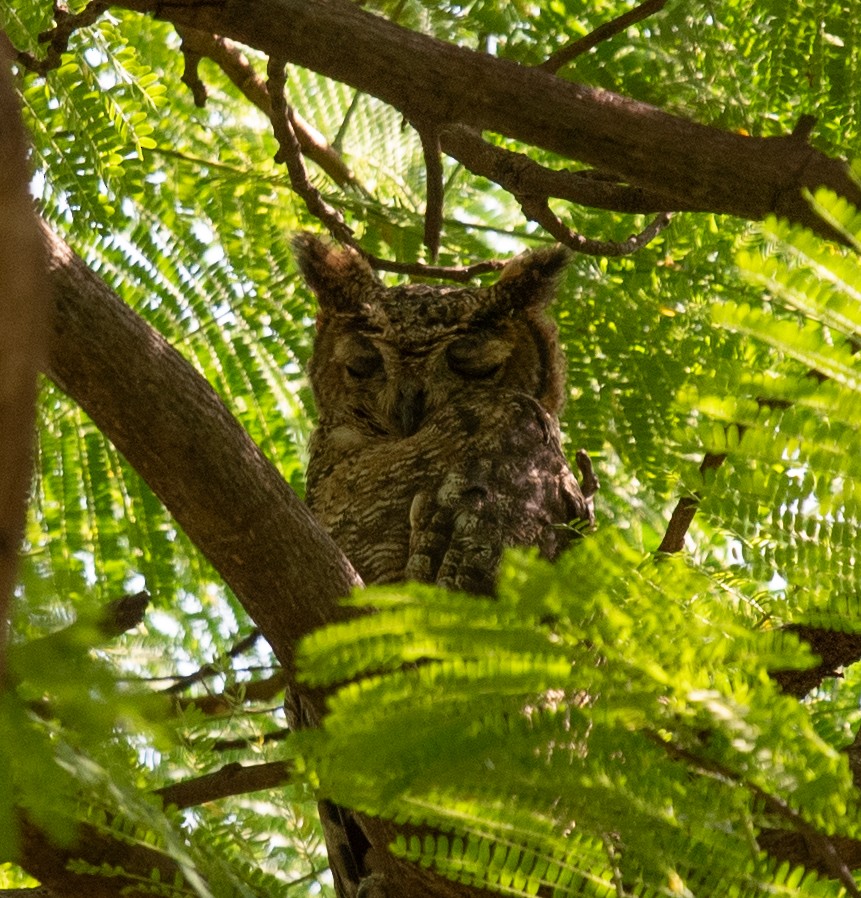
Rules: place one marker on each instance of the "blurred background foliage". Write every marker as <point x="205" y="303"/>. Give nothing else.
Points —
<point x="183" y="211"/>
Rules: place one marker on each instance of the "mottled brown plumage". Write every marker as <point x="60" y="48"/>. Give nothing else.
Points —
<point x="437" y="446"/>
<point x="438" y="443"/>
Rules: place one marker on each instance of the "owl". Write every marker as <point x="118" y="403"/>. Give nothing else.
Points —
<point x="437" y="446"/>
<point x="438" y="442"/>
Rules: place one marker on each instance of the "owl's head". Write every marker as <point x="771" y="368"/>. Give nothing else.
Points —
<point x="385" y="358"/>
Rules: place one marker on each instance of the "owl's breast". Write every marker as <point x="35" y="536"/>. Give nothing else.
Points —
<point x="361" y="491"/>
<point x="441" y="504"/>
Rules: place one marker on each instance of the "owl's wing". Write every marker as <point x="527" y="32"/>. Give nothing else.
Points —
<point x="510" y="485"/>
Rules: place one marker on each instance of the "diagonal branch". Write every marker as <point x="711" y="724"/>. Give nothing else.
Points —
<point x="604" y="32"/>
<point x="175" y="431"/>
<point x="238" y="68"/>
<point x="684" y="512"/>
<point x="232" y="779"/>
<point x="428" y="80"/>
<point x="539" y="211"/>
<point x="824" y="849"/>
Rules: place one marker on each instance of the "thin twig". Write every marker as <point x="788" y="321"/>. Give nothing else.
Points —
<point x="290" y="153"/>
<point x="458" y="273"/>
<point x="57" y="38"/>
<point x="433" y="188"/>
<point x="537" y="210"/>
<point x="576" y="48"/>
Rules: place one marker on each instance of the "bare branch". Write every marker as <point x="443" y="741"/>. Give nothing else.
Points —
<point x="58" y="37"/>
<point x="290" y="153"/>
<point x="238" y="68"/>
<point x="434" y="188"/>
<point x="521" y="176"/>
<point x="232" y="779"/>
<point x="539" y="211"/>
<point x="571" y="51"/>
<point x="461" y="274"/>
<point x="683" y="514"/>
<point x="429" y="80"/>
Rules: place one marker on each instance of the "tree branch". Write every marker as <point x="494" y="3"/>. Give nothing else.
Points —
<point x="683" y="514"/>
<point x="824" y="850"/>
<point x="604" y="32"/>
<point x="429" y="80"/>
<point x="521" y="176"/>
<point x="539" y="211"/>
<point x="232" y="779"/>
<point x="433" y="188"/>
<point x="24" y="317"/>
<point x="174" y="430"/>
<point x="238" y="68"/>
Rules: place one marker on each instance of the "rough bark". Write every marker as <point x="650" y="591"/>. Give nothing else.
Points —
<point x="175" y="431"/>
<point x="437" y="84"/>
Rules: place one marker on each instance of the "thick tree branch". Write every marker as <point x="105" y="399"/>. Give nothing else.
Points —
<point x="521" y="176"/>
<point x="175" y="431"/>
<point x="429" y="80"/>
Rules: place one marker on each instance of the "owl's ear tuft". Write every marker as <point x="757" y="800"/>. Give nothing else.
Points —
<point x="532" y="277"/>
<point x="339" y="276"/>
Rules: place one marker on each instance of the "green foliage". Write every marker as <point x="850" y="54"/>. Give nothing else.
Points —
<point x="606" y="726"/>
<point x="611" y="719"/>
<point x="568" y="734"/>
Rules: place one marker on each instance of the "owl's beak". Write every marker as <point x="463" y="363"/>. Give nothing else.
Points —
<point x="410" y="408"/>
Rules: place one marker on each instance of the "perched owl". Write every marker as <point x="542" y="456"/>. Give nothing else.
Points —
<point x="438" y="442"/>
